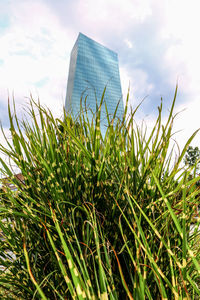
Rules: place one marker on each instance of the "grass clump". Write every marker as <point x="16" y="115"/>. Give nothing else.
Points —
<point x="97" y="216"/>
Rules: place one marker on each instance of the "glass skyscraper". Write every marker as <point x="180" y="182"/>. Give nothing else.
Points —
<point x="92" y="67"/>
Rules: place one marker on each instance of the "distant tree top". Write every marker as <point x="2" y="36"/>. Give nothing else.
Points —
<point x="192" y="156"/>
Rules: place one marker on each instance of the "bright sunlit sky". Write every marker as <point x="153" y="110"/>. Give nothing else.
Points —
<point x="157" y="42"/>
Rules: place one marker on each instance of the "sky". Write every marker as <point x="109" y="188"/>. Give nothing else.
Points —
<point x="157" y="42"/>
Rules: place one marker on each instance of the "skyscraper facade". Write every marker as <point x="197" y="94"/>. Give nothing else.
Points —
<point x="92" y="67"/>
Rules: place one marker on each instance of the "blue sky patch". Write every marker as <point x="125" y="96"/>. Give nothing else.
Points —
<point x="42" y="82"/>
<point x="4" y="23"/>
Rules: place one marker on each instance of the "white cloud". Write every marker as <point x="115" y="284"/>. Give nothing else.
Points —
<point x="182" y="25"/>
<point x="139" y="82"/>
<point x="33" y="48"/>
<point x="37" y="46"/>
<point x="182" y="58"/>
<point x="111" y="16"/>
<point x="128" y="43"/>
<point x="187" y="122"/>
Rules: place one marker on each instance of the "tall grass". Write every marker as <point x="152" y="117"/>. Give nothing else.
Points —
<point x="97" y="216"/>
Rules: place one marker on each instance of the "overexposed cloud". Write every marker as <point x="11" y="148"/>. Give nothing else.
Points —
<point x="182" y="25"/>
<point x="114" y="13"/>
<point x="128" y="43"/>
<point x="35" y="47"/>
<point x="182" y="59"/>
<point x="187" y="122"/>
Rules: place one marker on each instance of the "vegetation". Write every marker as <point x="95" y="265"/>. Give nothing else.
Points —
<point x="97" y="217"/>
<point x="192" y="156"/>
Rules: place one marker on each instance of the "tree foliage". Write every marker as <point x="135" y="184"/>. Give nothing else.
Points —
<point x="192" y="157"/>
